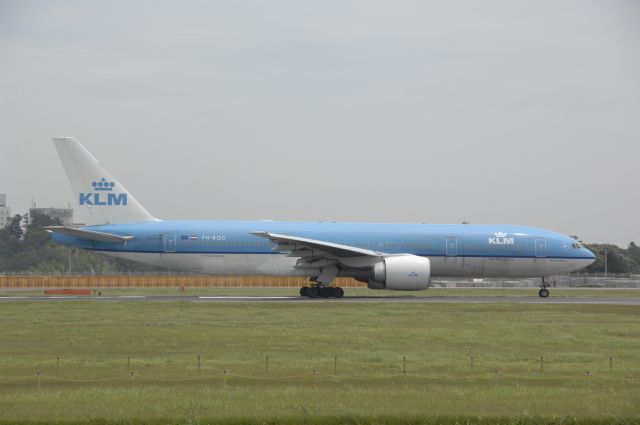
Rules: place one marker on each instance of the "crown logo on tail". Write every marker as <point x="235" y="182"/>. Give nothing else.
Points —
<point x="103" y="185"/>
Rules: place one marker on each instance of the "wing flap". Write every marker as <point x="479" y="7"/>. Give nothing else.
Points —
<point x="88" y="234"/>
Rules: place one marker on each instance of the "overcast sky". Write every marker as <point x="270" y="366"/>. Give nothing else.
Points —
<point x="519" y="112"/>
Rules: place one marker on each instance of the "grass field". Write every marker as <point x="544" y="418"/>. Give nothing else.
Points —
<point x="363" y="292"/>
<point x="357" y="351"/>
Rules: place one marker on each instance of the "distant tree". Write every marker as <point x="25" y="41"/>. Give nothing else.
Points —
<point x="634" y="252"/>
<point x="5" y="248"/>
<point x="14" y="227"/>
<point x="618" y="260"/>
<point x="25" y="221"/>
<point x="35" y="235"/>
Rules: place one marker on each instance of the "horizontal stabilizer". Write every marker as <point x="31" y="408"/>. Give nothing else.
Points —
<point x="88" y="234"/>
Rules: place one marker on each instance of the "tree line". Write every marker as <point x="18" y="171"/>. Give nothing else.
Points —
<point x="619" y="260"/>
<point x="25" y="247"/>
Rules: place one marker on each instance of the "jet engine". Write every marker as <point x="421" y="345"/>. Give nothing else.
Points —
<point x="401" y="273"/>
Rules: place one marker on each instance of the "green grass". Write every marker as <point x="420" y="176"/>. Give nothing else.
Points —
<point x="363" y="292"/>
<point x="163" y="340"/>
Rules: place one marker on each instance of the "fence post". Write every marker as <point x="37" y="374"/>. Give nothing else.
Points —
<point x="335" y="364"/>
<point x="471" y="363"/>
<point x="132" y="375"/>
<point x="38" y="375"/>
<point x="404" y="364"/>
<point x="611" y="364"/>
<point x="314" y="376"/>
<point x="225" y="378"/>
<point x="198" y="362"/>
<point x="541" y="364"/>
<point x="128" y="362"/>
<point x="405" y="378"/>
<point x="587" y="375"/>
<point x="266" y="364"/>
<point x="58" y="366"/>
<point x="496" y="374"/>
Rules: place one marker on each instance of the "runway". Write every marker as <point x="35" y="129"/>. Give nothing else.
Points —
<point x="346" y="299"/>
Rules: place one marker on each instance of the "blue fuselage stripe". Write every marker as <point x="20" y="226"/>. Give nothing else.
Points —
<point x="281" y="253"/>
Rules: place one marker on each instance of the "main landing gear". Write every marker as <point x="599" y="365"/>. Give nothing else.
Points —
<point x="321" y="291"/>
<point x="543" y="292"/>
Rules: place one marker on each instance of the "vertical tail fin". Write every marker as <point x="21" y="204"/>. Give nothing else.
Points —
<point x="99" y="197"/>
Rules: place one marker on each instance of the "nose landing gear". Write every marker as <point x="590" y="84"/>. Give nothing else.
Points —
<point x="543" y="292"/>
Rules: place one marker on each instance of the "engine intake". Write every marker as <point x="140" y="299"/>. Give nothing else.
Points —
<point x="401" y="273"/>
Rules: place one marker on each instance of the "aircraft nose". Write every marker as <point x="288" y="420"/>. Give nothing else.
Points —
<point x="590" y="255"/>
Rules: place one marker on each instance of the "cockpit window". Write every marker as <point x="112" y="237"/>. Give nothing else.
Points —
<point x="576" y="246"/>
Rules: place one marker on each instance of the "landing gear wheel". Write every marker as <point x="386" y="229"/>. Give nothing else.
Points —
<point x="543" y="292"/>
<point x="321" y="291"/>
<point x="326" y="292"/>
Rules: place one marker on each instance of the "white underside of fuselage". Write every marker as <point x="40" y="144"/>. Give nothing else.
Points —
<point x="281" y="265"/>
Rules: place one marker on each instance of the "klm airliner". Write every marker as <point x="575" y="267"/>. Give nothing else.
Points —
<point x="401" y="257"/>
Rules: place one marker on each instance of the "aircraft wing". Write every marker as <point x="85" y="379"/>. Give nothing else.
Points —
<point x="88" y="234"/>
<point x="303" y="247"/>
<point x="328" y="257"/>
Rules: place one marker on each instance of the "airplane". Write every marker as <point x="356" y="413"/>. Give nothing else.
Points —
<point x="401" y="257"/>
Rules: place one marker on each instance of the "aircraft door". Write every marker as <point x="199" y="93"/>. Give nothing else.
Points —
<point x="169" y="242"/>
<point x="541" y="248"/>
<point x="452" y="247"/>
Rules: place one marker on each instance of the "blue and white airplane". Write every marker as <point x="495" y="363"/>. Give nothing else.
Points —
<point x="400" y="257"/>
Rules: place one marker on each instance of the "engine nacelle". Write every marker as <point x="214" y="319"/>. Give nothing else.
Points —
<point x="401" y="273"/>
